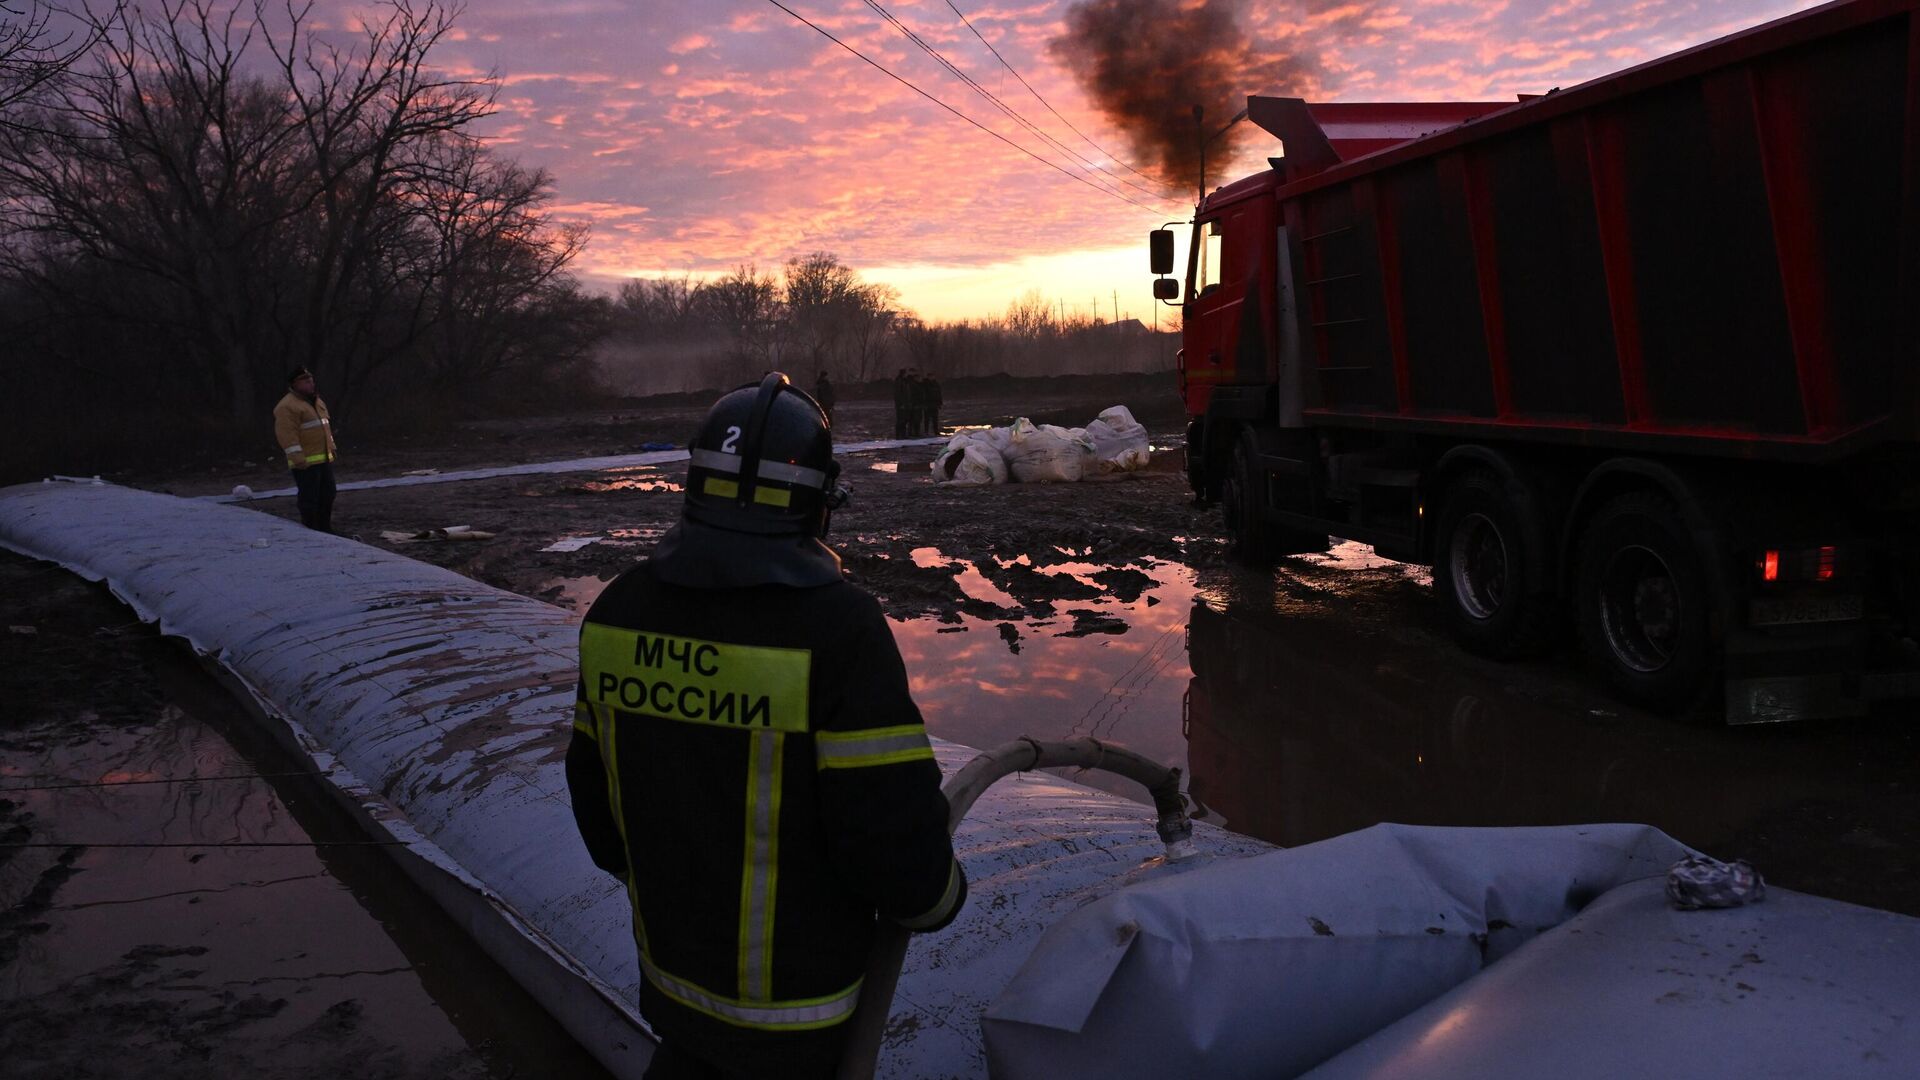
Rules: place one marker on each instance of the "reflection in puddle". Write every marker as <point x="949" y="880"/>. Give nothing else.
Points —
<point x="632" y="478"/>
<point x="576" y="594"/>
<point x="1007" y="678"/>
<point x="1302" y="720"/>
<point x="186" y="896"/>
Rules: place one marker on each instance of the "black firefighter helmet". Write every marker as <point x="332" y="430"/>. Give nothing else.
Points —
<point x="762" y="463"/>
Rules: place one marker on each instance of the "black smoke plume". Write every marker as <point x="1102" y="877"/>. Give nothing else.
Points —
<point x="1147" y="63"/>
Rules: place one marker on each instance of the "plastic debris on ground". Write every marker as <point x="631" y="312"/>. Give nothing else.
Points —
<point x="450" y="532"/>
<point x="1029" y="453"/>
<point x="1700" y="882"/>
<point x="571" y="543"/>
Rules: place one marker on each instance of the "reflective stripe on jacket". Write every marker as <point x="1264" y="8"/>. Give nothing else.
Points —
<point x="749" y="761"/>
<point x="303" y="430"/>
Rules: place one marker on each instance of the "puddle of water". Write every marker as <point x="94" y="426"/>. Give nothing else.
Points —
<point x="999" y="680"/>
<point x="196" y="892"/>
<point x="636" y="536"/>
<point x="576" y="594"/>
<point x="633" y="478"/>
<point x="1303" y="720"/>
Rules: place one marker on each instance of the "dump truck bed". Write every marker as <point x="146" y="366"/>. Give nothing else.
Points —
<point x="1711" y="253"/>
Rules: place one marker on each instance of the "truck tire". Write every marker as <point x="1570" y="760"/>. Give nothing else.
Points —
<point x="1644" y="605"/>
<point x="1257" y="541"/>
<point x="1251" y="535"/>
<point x="1488" y="551"/>
<point x="1196" y="453"/>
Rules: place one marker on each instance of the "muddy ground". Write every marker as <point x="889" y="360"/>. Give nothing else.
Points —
<point x="1305" y="701"/>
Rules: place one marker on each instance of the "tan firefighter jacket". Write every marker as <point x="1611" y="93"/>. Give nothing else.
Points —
<point x="304" y="431"/>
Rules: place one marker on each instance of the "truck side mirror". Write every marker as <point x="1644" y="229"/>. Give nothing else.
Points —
<point x="1166" y="288"/>
<point x="1160" y="251"/>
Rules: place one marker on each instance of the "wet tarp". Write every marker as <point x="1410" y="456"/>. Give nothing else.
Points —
<point x="1797" y="986"/>
<point x="1271" y="965"/>
<point x="440" y="709"/>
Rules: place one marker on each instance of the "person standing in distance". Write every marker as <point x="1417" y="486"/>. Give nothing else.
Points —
<point x="823" y="394"/>
<point x="305" y="431"/>
<point x="747" y="759"/>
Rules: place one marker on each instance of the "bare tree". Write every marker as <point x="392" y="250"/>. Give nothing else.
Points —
<point x="34" y="56"/>
<point x="872" y="312"/>
<point x="658" y="306"/>
<point x="269" y="211"/>
<point x="1030" y="316"/>
<point x="492" y="252"/>
<point x="822" y="293"/>
<point x="745" y="305"/>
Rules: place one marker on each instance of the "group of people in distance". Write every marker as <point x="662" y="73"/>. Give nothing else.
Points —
<point x="916" y="404"/>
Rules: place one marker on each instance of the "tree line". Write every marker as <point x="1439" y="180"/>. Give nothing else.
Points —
<point x="679" y="333"/>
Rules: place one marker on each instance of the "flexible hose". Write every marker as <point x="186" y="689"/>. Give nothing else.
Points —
<point x="869" y="1022"/>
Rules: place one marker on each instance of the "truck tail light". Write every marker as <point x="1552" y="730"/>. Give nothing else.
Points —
<point x="1808" y="564"/>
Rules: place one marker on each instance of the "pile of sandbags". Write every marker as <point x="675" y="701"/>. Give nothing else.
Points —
<point x="1030" y="453"/>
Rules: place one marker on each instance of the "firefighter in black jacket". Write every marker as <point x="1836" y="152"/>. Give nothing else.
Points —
<point x="746" y="757"/>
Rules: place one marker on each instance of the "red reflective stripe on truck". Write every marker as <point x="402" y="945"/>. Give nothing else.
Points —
<point x="1606" y="159"/>
<point x="1386" y="229"/>
<point x="1796" y="242"/>
<point x="1479" y="199"/>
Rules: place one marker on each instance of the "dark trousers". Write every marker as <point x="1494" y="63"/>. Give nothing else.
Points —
<point x="900" y="414"/>
<point x="315" y="495"/>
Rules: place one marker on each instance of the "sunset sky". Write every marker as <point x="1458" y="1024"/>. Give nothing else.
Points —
<point x="697" y="135"/>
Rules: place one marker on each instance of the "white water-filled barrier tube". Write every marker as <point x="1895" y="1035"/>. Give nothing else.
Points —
<point x="439" y="708"/>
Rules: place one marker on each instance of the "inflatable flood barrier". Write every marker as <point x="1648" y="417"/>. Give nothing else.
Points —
<point x="439" y="709"/>
<point x="544" y="468"/>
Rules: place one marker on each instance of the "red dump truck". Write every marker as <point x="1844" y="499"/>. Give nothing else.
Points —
<point x="1635" y="359"/>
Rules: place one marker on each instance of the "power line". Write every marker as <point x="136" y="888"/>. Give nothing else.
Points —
<point x="994" y="99"/>
<point x="883" y="70"/>
<point x="1116" y="158"/>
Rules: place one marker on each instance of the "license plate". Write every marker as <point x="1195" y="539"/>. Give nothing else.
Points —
<point x="1789" y="610"/>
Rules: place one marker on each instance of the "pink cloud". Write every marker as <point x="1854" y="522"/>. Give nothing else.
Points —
<point x="701" y="136"/>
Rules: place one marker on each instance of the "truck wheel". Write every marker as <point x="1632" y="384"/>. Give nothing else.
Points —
<point x="1256" y="540"/>
<point x="1196" y="452"/>
<point x="1488" y="549"/>
<point x="1644" y="618"/>
<point x="1252" y="539"/>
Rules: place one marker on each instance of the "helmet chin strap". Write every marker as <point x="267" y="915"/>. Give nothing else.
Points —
<point x="751" y="439"/>
<point x="838" y="494"/>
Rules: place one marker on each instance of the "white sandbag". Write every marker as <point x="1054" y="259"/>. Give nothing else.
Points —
<point x="971" y="463"/>
<point x="1120" y="443"/>
<point x="1039" y="457"/>
<point x="972" y="457"/>
<point x="1268" y="966"/>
